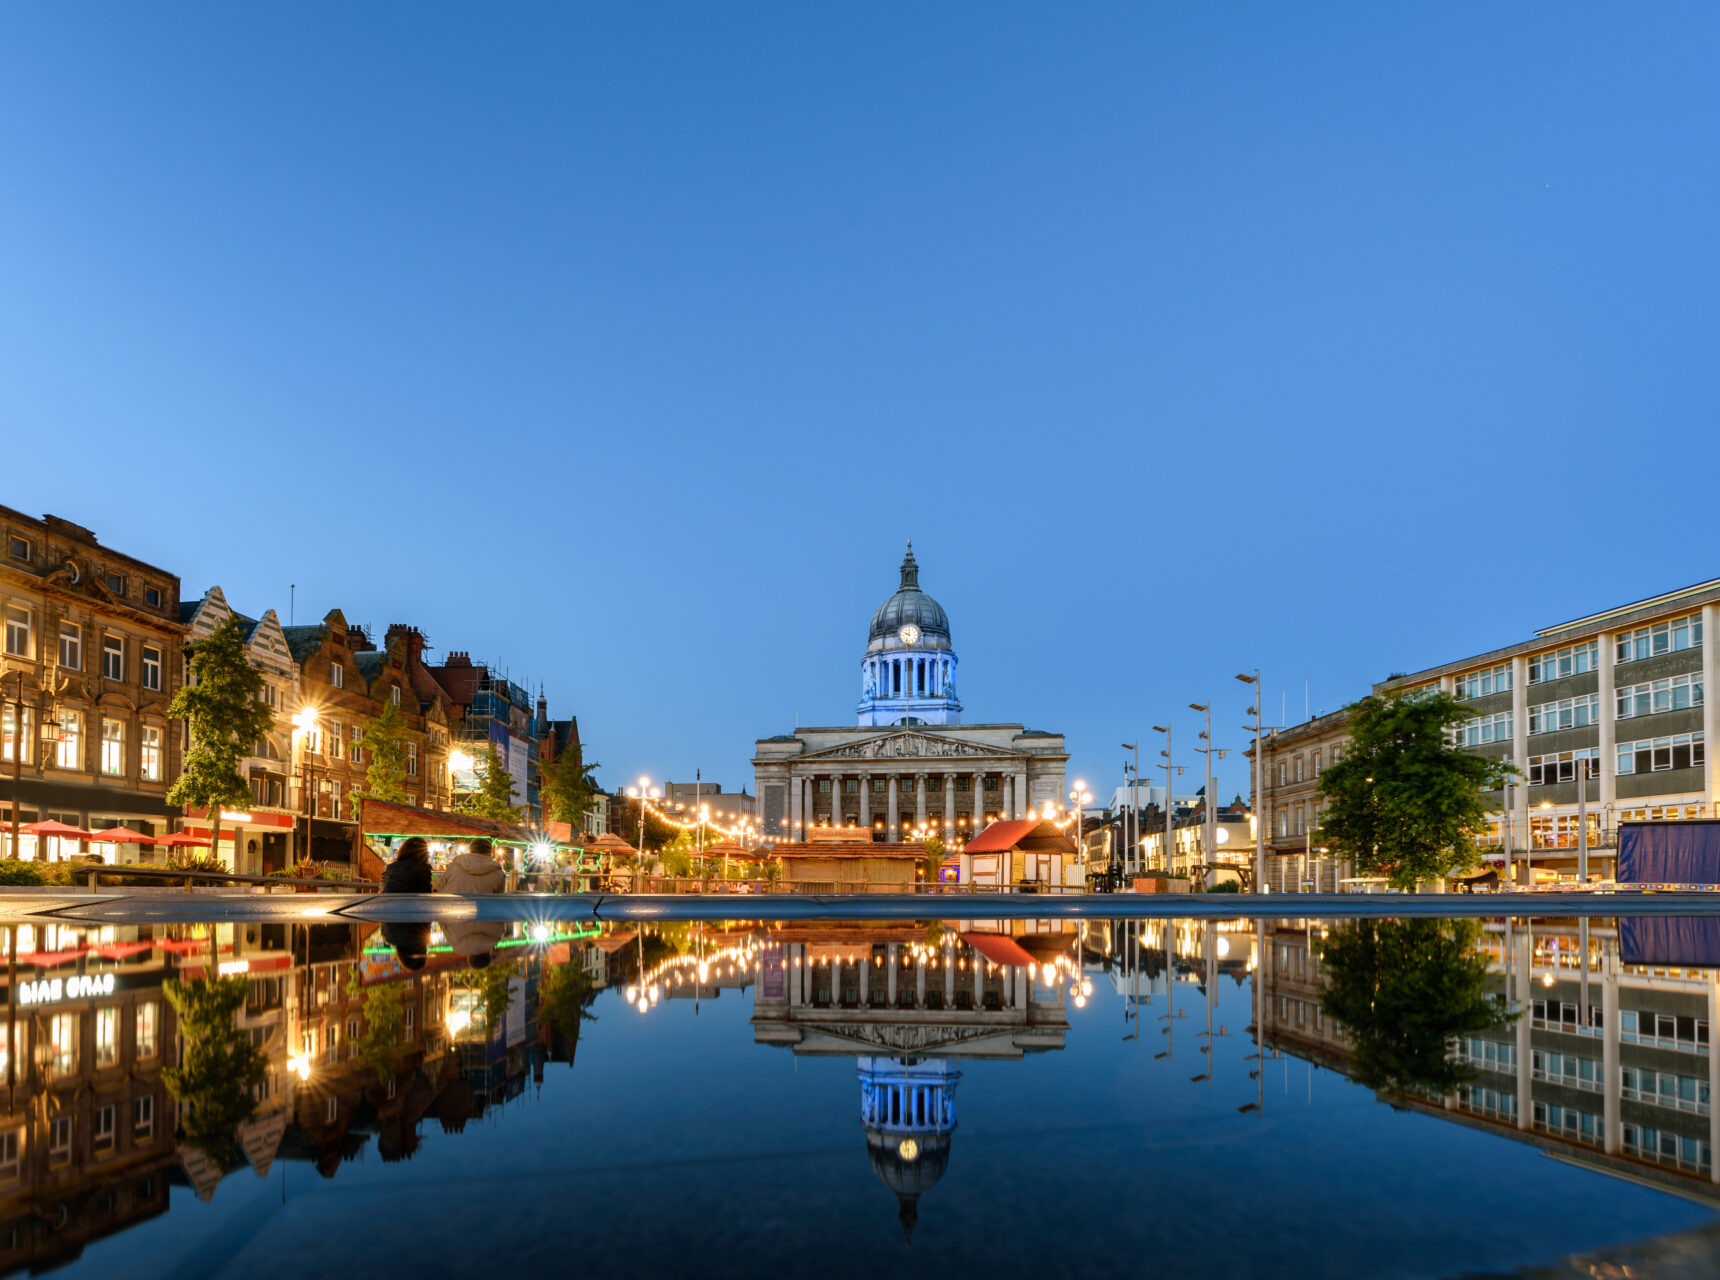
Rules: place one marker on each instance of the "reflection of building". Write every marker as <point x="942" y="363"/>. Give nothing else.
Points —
<point x="907" y="1009"/>
<point x="889" y="776"/>
<point x="1614" y="1072"/>
<point x="89" y="653"/>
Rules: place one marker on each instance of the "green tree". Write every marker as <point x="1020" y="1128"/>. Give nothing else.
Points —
<point x="494" y="798"/>
<point x="1403" y="801"/>
<point x="1404" y="990"/>
<point x="569" y="784"/>
<point x="218" y="1067"/>
<point x="223" y="707"/>
<point x="494" y="987"/>
<point x="385" y="744"/>
<point x="565" y="995"/>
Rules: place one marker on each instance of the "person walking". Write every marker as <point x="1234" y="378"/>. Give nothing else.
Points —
<point x="410" y="871"/>
<point x="474" y="871"/>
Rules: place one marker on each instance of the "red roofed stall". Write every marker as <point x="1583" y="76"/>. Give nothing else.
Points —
<point x="1025" y="853"/>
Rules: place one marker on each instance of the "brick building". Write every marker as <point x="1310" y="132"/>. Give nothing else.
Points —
<point x="89" y="661"/>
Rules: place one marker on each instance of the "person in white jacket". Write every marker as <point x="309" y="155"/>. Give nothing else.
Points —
<point x="474" y="871"/>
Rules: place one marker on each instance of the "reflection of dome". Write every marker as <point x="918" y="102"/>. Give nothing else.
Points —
<point x="909" y="1111"/>
<point x="910" y="604"/>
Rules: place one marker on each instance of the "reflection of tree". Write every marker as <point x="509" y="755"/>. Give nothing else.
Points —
<point x="219" y="1068"/>
<point x="1403" y="991"/>
<point x="495" y="994"/>
<point x="384" y="1028"/>
<point x="565" y="995"/>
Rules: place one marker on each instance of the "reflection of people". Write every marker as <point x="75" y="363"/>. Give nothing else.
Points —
<point x="474" y="871"/>
<point x="410" y="870"/>
<point x="410" y="940"/>
<point x="475" y="940"/>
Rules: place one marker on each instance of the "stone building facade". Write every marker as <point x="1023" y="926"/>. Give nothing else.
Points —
<point x="90" y="658"/>
<point x="910" y="766"/>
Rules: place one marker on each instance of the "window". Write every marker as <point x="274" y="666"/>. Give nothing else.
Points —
<point x="1567" y="713"/>
<point x="10" y="739"/>
<point x="113" y="747"/>
<point x="20" y="548"/>
<point x="150" y="758"/>
<point x="1567" y="1069"/>
<point x="71" y="646"/>
<point x="1478" y="684"/>
<point x="60" y="1140"/>
<point x="1562" y="766"/>
<point x="268" y="696"/>
<point x="146" y="1028"/>
<point x="1316" y="764"/>
<point x="331" y="1110"/>
<point x="334" y="797"/>
<point x="62" y="1045"/>
<point x="11" y="1152"/>
<point x="1662" y="637"/>
<point x="143" y="1118"/>
<point x="102" y="1140"/>
<point x="152" y="669"/>
<point x="337" y="675"/>
<point x="107" y="1036"/>
<point x="113" y="658"/>
<point x="152" y="597"/>
<point x="824" y="786"/>
<point x="1663" y="1088"/>
<point x="19" y="623"/>
<point x="1653" y="755"/>
<point x="1298" y="768"/>
<point x="1673" y="694"/>
<point x="411" y="1023"/>
<point x="1283" y="822"/>
<point x="1477" y="731"/>
<point x="412" y="761"/>
<point x="116" y="584"/>
<point x="69" y="750"/>
<point x="334" y="742"/>
<point x="1663" y="1030"/>
<point x="1280" y="773"/>
<point x="354" y="735"/>
<point x="394" y="695"/>
<point x="1573" y="660"/>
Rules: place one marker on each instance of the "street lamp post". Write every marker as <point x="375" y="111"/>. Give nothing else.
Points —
<point x="1209" y="828"/>
<point x="1079" y="797"/>
<point x="1134" y="818"/>
<point x="643" y="792"/>
<point x="1259" y="771"/>
<point x="1172" y="770"/>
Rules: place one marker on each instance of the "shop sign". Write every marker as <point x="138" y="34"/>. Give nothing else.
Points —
<point x="53" y="990"/>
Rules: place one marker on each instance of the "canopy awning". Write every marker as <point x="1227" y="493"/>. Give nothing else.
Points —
<point x="1000" y="950"/>
<point x="52" y="828"/>
<point x="121" y="835"/>
<point x="180" y="840"/>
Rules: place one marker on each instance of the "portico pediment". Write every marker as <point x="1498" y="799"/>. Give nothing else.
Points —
<point x="911" y="746"/>
<point x="917" y="1039"/>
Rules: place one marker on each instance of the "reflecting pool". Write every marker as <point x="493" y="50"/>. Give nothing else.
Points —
<point x="1293" y="1097"/>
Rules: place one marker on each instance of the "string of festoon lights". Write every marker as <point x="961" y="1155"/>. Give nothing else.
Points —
<point x="745" y="959"/>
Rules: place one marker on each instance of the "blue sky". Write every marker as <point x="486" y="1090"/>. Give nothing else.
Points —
<point x="626" y="344"/>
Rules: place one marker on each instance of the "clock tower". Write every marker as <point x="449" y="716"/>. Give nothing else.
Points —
<point x="908" y="675"/>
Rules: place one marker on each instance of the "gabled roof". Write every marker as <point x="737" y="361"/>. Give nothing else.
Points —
<point x="1033" y="835"/>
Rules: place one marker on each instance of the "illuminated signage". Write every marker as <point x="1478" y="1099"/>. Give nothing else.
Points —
<point x="229" y="815"/>
<point x="51" y="990"/>
<point x="229" y="967"/>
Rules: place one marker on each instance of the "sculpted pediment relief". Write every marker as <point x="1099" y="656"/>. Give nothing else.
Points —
<point x="909" y="746"/>
<point x="916" y="1039"/>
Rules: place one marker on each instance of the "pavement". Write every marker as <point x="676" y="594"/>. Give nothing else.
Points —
<point x="223" y="906"/>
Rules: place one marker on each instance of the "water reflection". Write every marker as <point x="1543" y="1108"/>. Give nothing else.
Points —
<point x="139" y="1058"/>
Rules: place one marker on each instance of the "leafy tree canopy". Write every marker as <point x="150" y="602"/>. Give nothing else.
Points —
<point x="385" y="744"/>
<point x="218" y="1069"/>
<point x="494" y="798"/>
<point x="223" y="707"/>
<point x="569" y="784"/>
<point x="1403" y="801"/>
<point x="1404" y="990"/>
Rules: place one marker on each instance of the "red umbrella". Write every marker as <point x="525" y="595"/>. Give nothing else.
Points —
<point x="51" y="828"/>
<point x="178" y="839"/>
<point x="121" y="835"/>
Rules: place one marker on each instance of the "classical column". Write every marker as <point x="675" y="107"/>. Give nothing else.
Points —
<point x="866" y="802"/>
<point x="1023" y="797"/>
<point x="791" y="957"/>
<point x="794" y="797"/>
<point x="978" y="802"/>
<point x="1005" y="797"/>
<point x="919" y="799"/>
<point x="949" y="805"/>
<point x="920" y="985"/>
<point x="950" y="980"/>
<point x="892" y="962"/>
<point x="836" y="799"/>
<point x="891" y="790"/>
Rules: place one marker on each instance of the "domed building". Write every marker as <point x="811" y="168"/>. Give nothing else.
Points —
<point x="911" y="768"/>
<point x="908" y="675"/>
<point x="908" y="1109"/>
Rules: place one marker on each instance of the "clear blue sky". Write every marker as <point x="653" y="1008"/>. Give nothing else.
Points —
<point x="625" y="344"/>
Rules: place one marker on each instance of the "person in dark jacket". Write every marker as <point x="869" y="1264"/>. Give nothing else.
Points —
<point x="410" y="870"/>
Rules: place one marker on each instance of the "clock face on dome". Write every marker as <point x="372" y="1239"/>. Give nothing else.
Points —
<point x="909" y="634"/>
